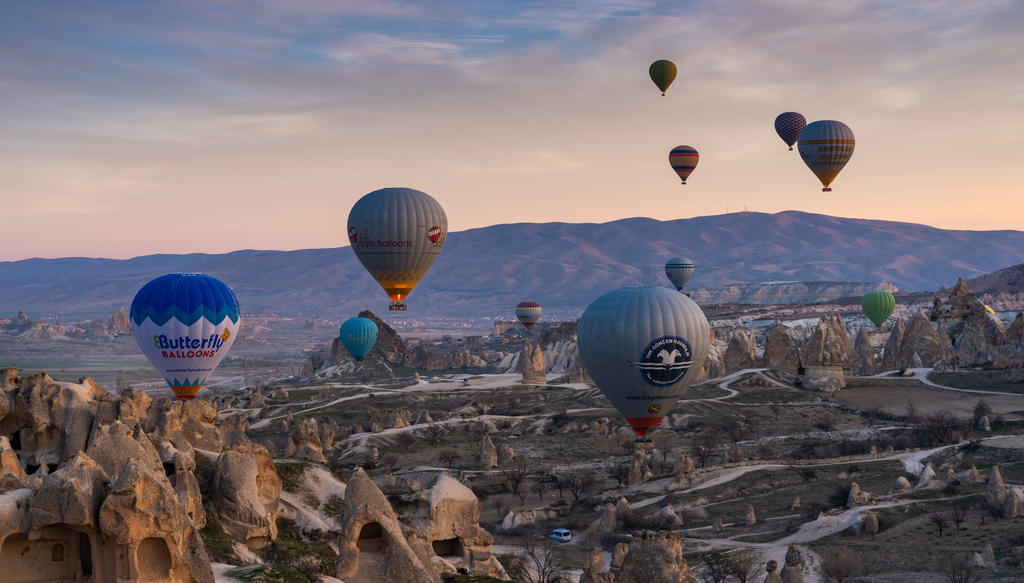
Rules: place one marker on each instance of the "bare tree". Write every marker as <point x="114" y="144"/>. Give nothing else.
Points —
<point x="539" y="487"/>
<point x="911" y="415"/>
<point x="391" y="460"/>
<point x="960" y="568"/>
<point x="406" y="440"/>
<point x="448" y="456"/>
<point x="579" y="483"/>
<point x="515" y="475"/>
<point x="745" y="565"/>
<point x="838" y="563"/>
<point x="958" y="512"/>
<point x="776" y="410"/>
<point x="704" y="445"/>
<point x="982" y="409"/>
<point x="436" y="432"/>
<point x="619" y="473"/>
<point x="499" y="504"/>
<point x="544" y="560"/>
<point x="827" y="423"/>
<point x="716" y="568"/>
<point x="938" y="427"/>
<point x="940" y="520"/>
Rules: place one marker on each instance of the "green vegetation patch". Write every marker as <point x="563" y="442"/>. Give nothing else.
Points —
<point x="269" y="574"/>
<point x="217" y="541"/>
<point x="291" y="474"/>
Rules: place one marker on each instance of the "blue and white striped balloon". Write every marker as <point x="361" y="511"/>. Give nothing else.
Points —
<point x="185" y="323"/>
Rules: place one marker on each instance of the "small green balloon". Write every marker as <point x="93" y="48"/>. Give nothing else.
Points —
<point x="878" y="306"/>
<point x="663" y="73"/>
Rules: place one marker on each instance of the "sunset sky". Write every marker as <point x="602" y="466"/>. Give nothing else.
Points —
<point x="131" y="128"/>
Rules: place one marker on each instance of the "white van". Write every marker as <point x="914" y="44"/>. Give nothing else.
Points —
<point x="561" y="535"/>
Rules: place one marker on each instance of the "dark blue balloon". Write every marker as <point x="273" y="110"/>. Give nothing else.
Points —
<point x="358" y="335"/>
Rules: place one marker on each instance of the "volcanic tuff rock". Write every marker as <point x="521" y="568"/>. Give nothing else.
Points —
<point x="780" y="352"/>
<point x="488" y="453"/>
<point x="372" y="547"/>
<point x="982" y="337"/>
<point x="531" y="364"/>
<point x="864" y="363"/>
<point x="772" y="568"/>
<point x="995" y="491"/>
<point x="922" y="339"/>
<point x="238" y="504"/>
<point x="785" y="292"/>
<point x="595" y="571"/>
<point x="655" y="558"/>
<point x="792" y="572"/>
<point x="823" y="355"/>
<point x="119" y="323"/>
<point x="741" y="350"/>
<point x="389" y="345"/>
<point x="890" y="355"/>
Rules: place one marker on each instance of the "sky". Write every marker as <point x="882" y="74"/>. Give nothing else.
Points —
<point x="129" y="128"/>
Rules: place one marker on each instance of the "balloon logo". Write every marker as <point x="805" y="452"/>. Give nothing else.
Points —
<point x="358" y="335"/>
<point x="185" y="323"/>
<point x="353" y="235"/>
<point x="654" y="409"/>
<point x="826" y="146"/>
<point x="788" y="126"/>
<point x="878" y="306"/>
<point x="662" y="73"/>
<point x="683" y="160"/>
<point x="393" y="247"/>
<point x="664" y="361"/>
<point x="679" y="271"/>
<point x="528" y="313"/>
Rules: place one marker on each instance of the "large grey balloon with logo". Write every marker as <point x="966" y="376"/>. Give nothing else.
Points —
<point x="643" y="346"/>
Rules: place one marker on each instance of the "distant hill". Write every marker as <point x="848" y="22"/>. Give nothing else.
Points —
<point x="1008" y="280"/>
<point x="485" y="272"/>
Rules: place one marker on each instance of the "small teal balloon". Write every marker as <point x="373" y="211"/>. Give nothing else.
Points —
<point x="358" y="335"/>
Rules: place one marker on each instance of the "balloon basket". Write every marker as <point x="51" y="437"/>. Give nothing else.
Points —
<point x="826" y="190"/>
<point x="396" y="307"/>
<point x="645" y="443"/>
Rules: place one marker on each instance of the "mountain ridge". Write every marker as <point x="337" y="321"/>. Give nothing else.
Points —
<point x="484" y="272"/>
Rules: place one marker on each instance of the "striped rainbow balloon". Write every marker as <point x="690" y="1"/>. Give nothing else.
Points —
<point x="528" y="313"/>
<point x="683" y="160"/>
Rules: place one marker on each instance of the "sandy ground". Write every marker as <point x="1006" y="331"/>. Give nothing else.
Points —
<point x="929" y="399"/>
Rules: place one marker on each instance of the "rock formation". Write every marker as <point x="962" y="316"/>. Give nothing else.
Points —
<point x="982" y="336"/>
<point x="864" y="364"/>
<point x="974" y="476"/>
<point x="856" y="497"/>
<point x="922" y="339"/>
<point x="772" y="568"/>
<point x="714" y="363"/>
<point x="1013" y="504"/>
<point x="995" y="490"/>
<point x="655" y="558"/>
<point x="871" y="523"/>
<point x="780" y="352"/>
<point x="619" y="556"/>
<point x="750" y="518"/>
<point x="741" y="350"/>
<point x="595" y="571"/>
<point x="306" y="438"/>
<point x="239" y="508"/>
<point x="119" y="323"/>
<point x="927" y="475"/>
<point x="372" y="547"/>
<point x="823" y="356"/>
<point x="891" y="352"/>
<point x="902" y="484"/>
<point x="506" y="455"/>
<point x="792" y="572"/>
<point x="488" y="453"/>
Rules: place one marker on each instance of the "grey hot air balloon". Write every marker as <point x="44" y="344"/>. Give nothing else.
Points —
<point x="679" y="271"/>
<point x="397" y="234"/>
<point x="643" y="346"/>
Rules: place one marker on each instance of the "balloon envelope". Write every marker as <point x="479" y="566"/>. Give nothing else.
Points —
<point x="683" y="160"/>
<point x="662" y="73"/>
<point x="679" y="271"/>
<point x="528" y="313"/>
<point x="358" y="335"/>
<point x="185" y="323"/>
<point x="826" y="146"/>
<point x="788" y="126"/>
<point x="878" y="306"/>
<point x="397" y="234"/>
<point x="643" y="347"/>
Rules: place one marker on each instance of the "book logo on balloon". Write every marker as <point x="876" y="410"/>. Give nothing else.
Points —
<point x="434" y="234"/>
<point x="664" y="361"/>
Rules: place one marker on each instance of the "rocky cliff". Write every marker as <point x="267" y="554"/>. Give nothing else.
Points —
<point x="785" y="292"/>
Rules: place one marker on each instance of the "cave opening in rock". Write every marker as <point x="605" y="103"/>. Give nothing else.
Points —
<point x="371" y="538"/>
<point x="169" y="469"/>
<point x="15" y="440"/>
<point x="449" y="547"/>
<point x="153" y="560"/>
<point x="85" y="553"/>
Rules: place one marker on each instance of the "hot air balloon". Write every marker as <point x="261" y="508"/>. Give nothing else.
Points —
<point x="878" y="306"/>
<point x="683" y="160"/>
<point x="358" y="335"/>
<point x="185" y="323"/>
<point x="643" y="346"/>
<point x="397" y="234"/>
<point x="826" y="146"/>
<point x="663" y="73"/>
<point x="788" y="126"/>
<point x="679" y="271"/>
<point x="528" y="313"/>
